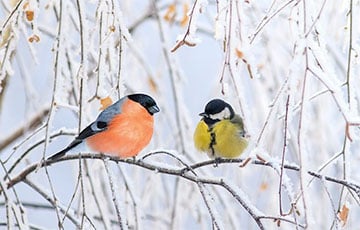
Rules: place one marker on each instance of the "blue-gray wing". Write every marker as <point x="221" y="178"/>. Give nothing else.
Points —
<point x="99" y="125"/>
<point x="107" y="115"/>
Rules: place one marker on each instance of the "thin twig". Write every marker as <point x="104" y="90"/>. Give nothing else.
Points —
<point x="300" y="139"/>
<point x="267" y="18"/>
<point x="32" y="147"/>
<point x="132" y="196"/>
<point x="52" y="107"/>
<point x="173" y="73"/>
<point x="348" y="78"/>
<point x="12" y="13"/>
<point x="184" y="40"/>
<point x="80" y="74"/>
<point x="283" y="157"/>
<point x="113" y="193"/>
<point x="53" y="202"/>
<point x="97" y="199"/>
<point x="32" y="123"/>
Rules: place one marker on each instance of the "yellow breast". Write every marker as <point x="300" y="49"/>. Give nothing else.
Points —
<point x="202" y="137"/>
<point x="228" y="141"/>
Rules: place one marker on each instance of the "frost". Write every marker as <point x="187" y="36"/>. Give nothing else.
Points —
<point x="220" y="20"/>
<point x="278" y="63"/>
<point x="198" y="9"/>
<point x="210" y="203"/>
<point x="191" y="39"/>
<point x="8" y="68"/>
<point x="244" y="197"/>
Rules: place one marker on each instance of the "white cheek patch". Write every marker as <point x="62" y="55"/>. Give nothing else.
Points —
<point x="224" y="114"/>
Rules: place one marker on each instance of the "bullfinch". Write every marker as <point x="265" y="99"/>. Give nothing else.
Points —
<point x="220" y="133"/>
<point x="123" y="129"/>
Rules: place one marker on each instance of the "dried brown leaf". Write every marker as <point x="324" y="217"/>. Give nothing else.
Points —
<point x="264" y="186"/>
<point x="239" y="53"/>
<point x="105" y="102"/>
<point x="112" y="28"/>
<point x="34" y="38"/>
<point x="170" y="13"/>
<point x="185" y="18"/>
<point x="152" y="84"/>
<point x="343" y="214"/>
<point x="347" y="131"/>
<point x="29" y="15"/>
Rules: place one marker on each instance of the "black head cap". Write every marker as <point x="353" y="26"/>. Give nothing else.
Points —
<point x="146" y="101"/>
<point x="215" y="110"/>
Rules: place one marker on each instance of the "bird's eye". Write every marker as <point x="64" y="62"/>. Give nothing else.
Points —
<point x="101" y="124"/>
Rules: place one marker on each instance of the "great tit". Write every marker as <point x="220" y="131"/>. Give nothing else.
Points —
<point x="220" y="133"/>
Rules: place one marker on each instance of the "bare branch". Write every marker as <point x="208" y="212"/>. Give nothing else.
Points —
<point x="184" y="173"/>
<point x="32" y="123"/>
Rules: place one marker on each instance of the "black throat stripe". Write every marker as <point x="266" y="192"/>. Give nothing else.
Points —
<point x="212" y="141"/>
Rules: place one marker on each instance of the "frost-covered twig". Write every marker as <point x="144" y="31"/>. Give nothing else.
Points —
<point x="7" y="204"/>
<point x="37" y="144"/>
<point x="187" y="38"/>
<point x="180" y="171"/>
<point x="267" y="18"/>
<point x="18" y="211"/>
<point x="33" y="122"/>
<point x="283" y="156"/>
<point x="174" y="84"/>
<point x="120" y="54"/>
<point x="183" y="172"/>
<point x="349" y="100"/>
<point x="81" y="77"/>
<point x="52" y="105"/>
<point x="176" y="189"/>
<point x="53" y="202"/>
<point x="12" y="13"/>
<point x="49" y="207"/>
<point x="132" y="196"/>
<point x="316" y="19"/>
<point x="271" y="110"/>
<point x="251" y="210"/>
<point x="96" y="195"/>
<point x="113" y="193"/>
<point x="200" y="185"/>
<point x="173" y="73"/>
<point x="208" y="206"/>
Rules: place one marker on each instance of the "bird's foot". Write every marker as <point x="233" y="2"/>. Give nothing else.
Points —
<point x="133" y="158"/>
<point x="217" y="161"/>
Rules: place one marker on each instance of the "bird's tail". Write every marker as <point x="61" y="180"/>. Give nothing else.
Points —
<point x="58" y="154"/>
<point x="64" y="151"/>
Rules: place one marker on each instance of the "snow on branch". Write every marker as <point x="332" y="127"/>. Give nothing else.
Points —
<point x="188" y="172"/>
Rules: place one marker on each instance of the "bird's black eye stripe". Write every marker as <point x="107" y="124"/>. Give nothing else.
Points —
<point x="101" y="125"/>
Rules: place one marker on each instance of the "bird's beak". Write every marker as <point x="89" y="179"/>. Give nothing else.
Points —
<point x="154" y="109"/>
<point x="203" y="114"/>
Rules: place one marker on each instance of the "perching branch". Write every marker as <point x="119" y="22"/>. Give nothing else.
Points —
<point x="178" y="171"/>
<point x="185" y="172"/>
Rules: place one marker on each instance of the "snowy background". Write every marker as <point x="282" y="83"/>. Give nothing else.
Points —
<point x="289" y="68"/>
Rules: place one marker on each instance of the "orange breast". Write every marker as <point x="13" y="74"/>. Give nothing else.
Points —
<point x="127" y="134"/>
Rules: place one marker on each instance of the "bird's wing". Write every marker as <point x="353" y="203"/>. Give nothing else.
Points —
<point x="99" y="125"/>
<point x="87" y="132"/>
<point x="238" y="121"/>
